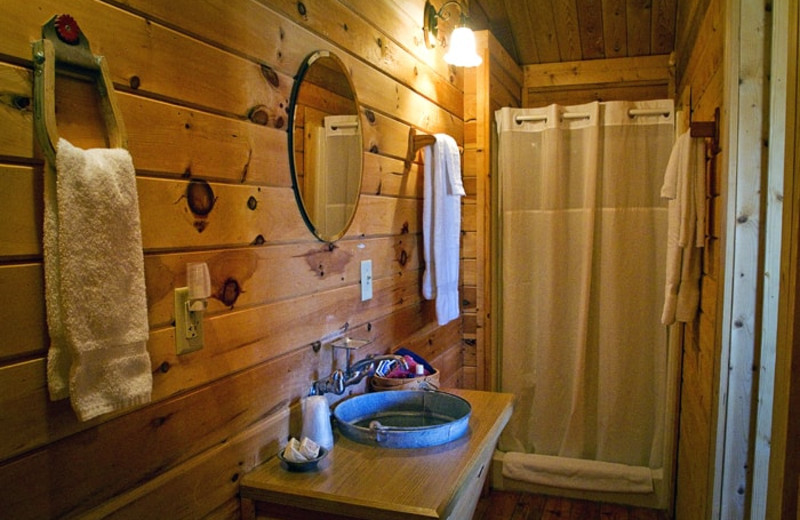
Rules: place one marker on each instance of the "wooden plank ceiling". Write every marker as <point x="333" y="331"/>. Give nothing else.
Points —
<point x="548" y="31"/>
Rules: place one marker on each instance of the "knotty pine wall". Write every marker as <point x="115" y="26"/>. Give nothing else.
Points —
<point x="700" y="79"/>
<point x="196" y="81"/>
<point x="576" y="82"/>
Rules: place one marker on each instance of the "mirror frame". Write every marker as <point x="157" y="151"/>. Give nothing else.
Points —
<point x="301" y="74"/>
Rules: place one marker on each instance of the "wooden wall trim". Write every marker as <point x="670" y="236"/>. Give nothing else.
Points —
<point x="745" y="156"/>
<point x="784" y="464"/>
<point x="781" y="137"/>
<point x="496" y="82"/>
<point x="645" y="77"/>
<point x="642" y="69"/>
<point x="700" y="92"/>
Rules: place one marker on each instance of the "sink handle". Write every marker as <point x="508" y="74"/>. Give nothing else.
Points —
<point x="428" y="386"/>
<point x="377" y="431"/>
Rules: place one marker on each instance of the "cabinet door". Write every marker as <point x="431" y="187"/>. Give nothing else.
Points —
<point x="467" y="500"/>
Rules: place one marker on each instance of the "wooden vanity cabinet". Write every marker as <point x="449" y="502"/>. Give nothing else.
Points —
<point x="367" y="482"/>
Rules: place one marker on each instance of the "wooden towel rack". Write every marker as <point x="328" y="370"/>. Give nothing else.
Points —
<point x="63" y="43"/>
<point x="417" y="141"/>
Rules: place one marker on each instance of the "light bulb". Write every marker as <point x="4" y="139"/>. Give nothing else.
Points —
<point x="461" y="49"/>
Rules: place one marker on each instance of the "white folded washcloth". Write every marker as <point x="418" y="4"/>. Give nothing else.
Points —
<point x="292" y="451"/>
<point x="441" y="226"/>
<point x="301" y="451"/>
<point x="94" y="282"/>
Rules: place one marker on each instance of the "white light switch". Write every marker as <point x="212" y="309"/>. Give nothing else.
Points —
<point x="366" y="280"/>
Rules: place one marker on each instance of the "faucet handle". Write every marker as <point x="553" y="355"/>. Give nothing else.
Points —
<point x="337" y="378"/>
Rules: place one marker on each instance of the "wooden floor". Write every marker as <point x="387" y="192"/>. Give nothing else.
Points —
<point x="503" y="505"/>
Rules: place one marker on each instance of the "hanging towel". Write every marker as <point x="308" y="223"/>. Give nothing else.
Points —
<point x="94" y="282"/>
<point x="684" y="187"/>
<point x="441" y="226"/>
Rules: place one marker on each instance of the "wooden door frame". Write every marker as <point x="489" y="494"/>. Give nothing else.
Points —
<point x="779" y="463"/>
<point x="756" y="391"/>
<point x="744" y="160"/>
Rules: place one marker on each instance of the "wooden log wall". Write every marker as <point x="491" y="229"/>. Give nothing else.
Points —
<point x="700" y="86"/>
<point x="496" y="83"/>
<point x="576" y="82"/>
<point x="204" y="88"/>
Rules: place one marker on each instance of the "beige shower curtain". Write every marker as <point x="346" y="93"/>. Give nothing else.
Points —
<point x="582" y="256"/>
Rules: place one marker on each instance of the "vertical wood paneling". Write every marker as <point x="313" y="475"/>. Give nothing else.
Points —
<point x="187" y="75"/>
<point x="663" y="27"/>
<point x="772" y="381"/>
<point x="782" y="500"/>
<point x="520" y="19"/>
<point x="497" y="82"/>
<point x="565" y="21"/>
<point x="584" y="29"/>
<point x="615" y="28"/>
<point x="745" y="83"/>
<point x="541" y="20"/>
<point x="590" y="14"/>
<point x="700" y="73"/>
<point x="639" y="18"/>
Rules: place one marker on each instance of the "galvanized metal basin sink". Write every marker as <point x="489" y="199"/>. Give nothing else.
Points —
<point x="403" y="418"/>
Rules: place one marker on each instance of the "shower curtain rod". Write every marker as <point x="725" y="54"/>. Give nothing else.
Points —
<point x="634" y="112"/>
<point x="344" y="125"/>
<point x="566" y="115"/>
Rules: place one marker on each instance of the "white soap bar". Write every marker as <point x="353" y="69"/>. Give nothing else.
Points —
<point x="292" y="452"/>
<point x="309" y="449"/>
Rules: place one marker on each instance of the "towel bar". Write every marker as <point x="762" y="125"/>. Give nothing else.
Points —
<point x="418" y="141"/>
<point x="63" y="43"/>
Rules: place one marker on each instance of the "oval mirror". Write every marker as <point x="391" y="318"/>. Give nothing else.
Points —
<point x="325" y="145"/>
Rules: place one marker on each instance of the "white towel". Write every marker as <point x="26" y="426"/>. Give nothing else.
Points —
<point x="684" y="186"/>
<point x="94" y="282"/>
<point x="441" y="226"/>
<point x="565" y="472"/>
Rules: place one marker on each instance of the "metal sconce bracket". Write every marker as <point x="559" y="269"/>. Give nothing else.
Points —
<point x="430" y="23"/>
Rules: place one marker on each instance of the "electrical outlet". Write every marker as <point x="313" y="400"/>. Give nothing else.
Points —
<point x="188" y="325"/>
<point x="366" y="280"/>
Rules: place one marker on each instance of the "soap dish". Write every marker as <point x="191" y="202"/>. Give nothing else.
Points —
<point x="308" y="465"/>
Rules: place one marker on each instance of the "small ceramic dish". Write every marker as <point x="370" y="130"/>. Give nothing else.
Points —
<point x="308" y="465"/>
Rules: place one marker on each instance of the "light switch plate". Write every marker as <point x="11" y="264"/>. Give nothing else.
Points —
<point x="366" y="280"/>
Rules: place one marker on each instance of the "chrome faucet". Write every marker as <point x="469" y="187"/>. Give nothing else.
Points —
<point x="352" y="375"/>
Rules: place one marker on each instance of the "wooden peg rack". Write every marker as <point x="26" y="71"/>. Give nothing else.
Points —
<point x="708" y="129"/>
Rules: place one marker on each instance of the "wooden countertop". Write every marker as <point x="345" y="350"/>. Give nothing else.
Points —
<point x="362" y="481"/>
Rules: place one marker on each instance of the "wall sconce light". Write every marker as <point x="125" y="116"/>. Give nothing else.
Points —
<point x="461" y="49"/>
<point x="190" y="304"/>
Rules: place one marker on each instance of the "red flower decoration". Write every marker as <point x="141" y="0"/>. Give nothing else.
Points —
<point x="67" y="29"/>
